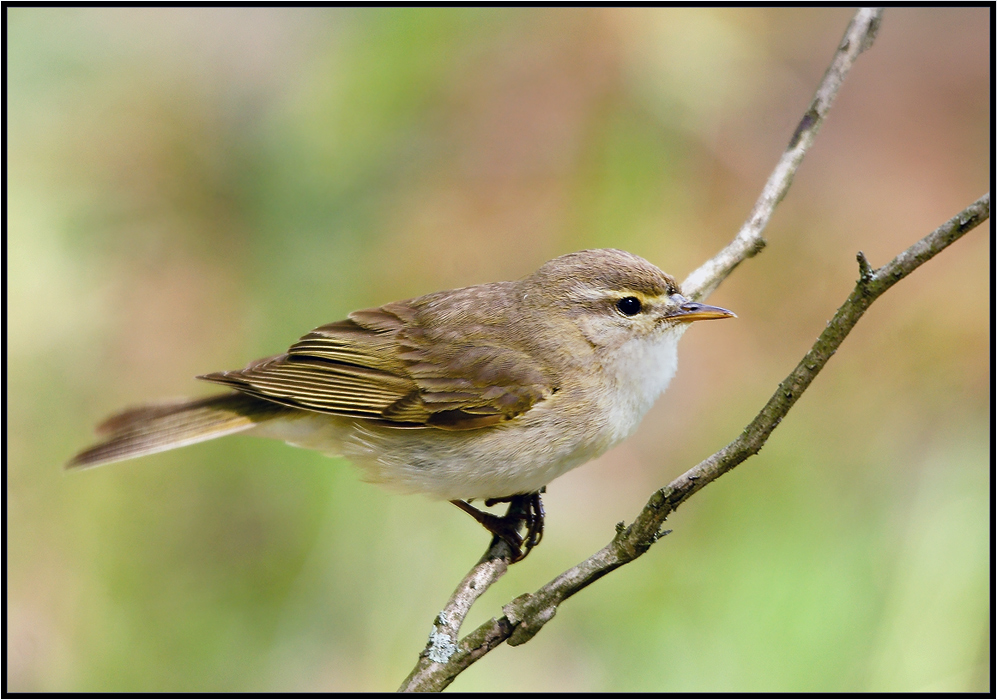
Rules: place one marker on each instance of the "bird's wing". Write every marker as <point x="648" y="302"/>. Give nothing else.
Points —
<point x="395" y="365"/>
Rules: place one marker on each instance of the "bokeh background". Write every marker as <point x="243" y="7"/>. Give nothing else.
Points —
<point x="190" y="189"/>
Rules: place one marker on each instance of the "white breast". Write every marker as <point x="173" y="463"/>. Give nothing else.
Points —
<point x="641" y="371"/>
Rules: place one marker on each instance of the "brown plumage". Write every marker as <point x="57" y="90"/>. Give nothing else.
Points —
<point x="415" y="390"/>
<point x="400" y="365"/>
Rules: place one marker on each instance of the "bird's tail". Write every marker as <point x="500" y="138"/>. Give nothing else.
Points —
<point x="158" y="427"/>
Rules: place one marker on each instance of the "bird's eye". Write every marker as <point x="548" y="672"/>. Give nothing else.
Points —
<point x="629" y="306"/>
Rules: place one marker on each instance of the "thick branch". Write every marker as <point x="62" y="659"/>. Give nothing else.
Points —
<point x="527" y="614"/>
<point x="440" y="660"/>
<point x="748" y="242"/>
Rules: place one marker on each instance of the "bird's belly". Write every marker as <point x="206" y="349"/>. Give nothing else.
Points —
<point x="517" y="457"/>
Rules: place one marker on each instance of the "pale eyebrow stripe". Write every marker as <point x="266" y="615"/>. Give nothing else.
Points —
<point x="589" y="294"/>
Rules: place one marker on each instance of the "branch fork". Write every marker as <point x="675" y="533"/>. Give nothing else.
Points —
<point x="444" y="658"/>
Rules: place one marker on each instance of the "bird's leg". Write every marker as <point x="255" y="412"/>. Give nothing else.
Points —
<point x="523" y="508"/>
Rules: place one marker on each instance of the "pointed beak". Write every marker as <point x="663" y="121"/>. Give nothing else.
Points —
<point x="694" y="311"/>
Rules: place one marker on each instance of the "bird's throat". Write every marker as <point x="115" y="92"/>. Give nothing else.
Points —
<point x="639" y="372"/>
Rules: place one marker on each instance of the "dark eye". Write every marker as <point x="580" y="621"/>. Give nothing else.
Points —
<point x="629" y="306"/>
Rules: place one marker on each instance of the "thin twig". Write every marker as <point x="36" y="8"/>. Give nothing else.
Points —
<point x="858" y="37"/>
<point x="528" y="613"/>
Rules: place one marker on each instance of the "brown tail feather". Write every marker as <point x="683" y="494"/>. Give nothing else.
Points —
<point x="158" y="427"/>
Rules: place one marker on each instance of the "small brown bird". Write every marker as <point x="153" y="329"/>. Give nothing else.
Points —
<point x="487" y="392"/>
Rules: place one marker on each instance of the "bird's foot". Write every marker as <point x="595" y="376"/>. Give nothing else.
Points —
<point x="524" y="509"/>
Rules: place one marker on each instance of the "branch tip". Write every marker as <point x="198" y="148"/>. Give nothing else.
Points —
<point x="865" y="269"/>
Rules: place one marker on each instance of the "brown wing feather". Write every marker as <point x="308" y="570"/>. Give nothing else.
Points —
<point x="403" y="364"/>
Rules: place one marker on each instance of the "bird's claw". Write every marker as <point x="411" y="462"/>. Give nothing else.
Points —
<point x="524" y="509"/>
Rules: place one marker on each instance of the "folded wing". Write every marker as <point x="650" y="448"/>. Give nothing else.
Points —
<point x="405" y="366"/>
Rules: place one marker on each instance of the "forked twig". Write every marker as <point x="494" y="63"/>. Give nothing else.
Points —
<point x="444" y="657"/>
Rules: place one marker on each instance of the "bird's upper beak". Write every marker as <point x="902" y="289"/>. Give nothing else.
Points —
<point x="694" y="311"/>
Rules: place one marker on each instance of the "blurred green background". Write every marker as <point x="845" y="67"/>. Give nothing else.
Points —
<point x="191" y="189"/>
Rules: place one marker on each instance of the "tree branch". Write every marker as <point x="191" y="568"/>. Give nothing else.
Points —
<point x="528" y="613"/>
<point x="443" y="658"/>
